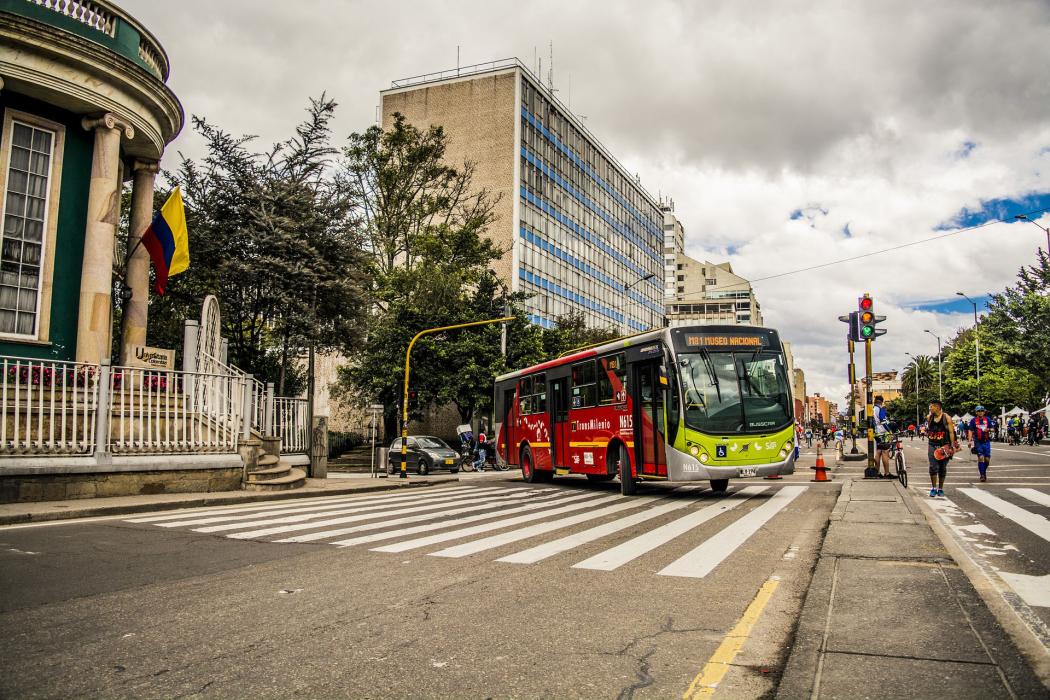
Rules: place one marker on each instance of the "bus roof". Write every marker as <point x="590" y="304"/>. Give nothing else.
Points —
<point x="620" y="343"/>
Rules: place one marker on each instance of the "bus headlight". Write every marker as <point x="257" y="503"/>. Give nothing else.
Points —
<point x="784" y="453"/>
<point x="704" y="458"/>
<point x="694" y="450"/>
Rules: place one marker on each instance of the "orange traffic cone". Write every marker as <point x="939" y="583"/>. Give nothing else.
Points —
<point x="821" y="469"/>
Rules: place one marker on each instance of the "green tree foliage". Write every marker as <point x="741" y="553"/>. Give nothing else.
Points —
<point x="273" y="236"/>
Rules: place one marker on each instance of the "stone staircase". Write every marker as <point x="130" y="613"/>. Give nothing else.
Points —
<point x="269" y="472"/>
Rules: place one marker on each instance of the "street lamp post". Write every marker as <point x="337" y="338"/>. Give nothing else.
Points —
<point x="915" y="371"/>
<point x="1022" y="217"/>
<point x="940" y="386"/>
<point x="627" y="300"/>
<point x="976" y="342"/>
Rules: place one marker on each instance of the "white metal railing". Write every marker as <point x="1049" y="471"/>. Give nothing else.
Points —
<point x="47" y="407"/>
<point x="167" y="411"/>
<point x="289" y="416"/>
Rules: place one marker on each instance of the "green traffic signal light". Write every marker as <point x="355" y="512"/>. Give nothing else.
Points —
<point x="867" y="331"/>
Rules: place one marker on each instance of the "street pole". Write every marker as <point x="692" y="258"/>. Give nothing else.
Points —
<point x="627" y="301"/>
<point x="915" y="370"/>
<point x="1046" y="230"/>
<point x="853" y="399"/>
<point x="408" y="359"/>
<point x="868" y="404"/>
<point x="976" y="341"/>
<point x="940" y="385"/>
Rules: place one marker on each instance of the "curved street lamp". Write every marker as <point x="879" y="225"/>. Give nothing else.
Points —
<point x="915" y="374"/>
<point x="976" y="342"/>
<point x="1022" y="217"/>
<point x="940" y="387"/>
<point x="627" y="300"/>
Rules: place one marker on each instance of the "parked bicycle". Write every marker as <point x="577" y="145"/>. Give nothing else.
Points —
<point x="897" y="457"/>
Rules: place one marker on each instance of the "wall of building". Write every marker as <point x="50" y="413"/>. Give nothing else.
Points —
<point x="478" y="115"/>
<point x="69" y="246"/>
<point x="706" y="292"/>
<point x="60" y="487"/>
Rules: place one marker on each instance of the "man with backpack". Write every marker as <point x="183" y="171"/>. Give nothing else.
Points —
<point x="979" y="437"/>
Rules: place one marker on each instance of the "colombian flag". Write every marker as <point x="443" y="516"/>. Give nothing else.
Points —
<point x="167" y="241"/>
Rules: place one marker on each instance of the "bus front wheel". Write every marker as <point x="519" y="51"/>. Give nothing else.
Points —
<point x="628" y="486"/>
<point x="528" y="467"/>
<point x="719" y="485"/>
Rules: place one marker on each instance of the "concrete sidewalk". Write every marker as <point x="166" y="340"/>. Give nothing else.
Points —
<point x="36" y="511"/>
<point x="890" y="615"/>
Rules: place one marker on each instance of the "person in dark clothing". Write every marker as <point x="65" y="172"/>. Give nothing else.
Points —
<point x="943" y="442"/>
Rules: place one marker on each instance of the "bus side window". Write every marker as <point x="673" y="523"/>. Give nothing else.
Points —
<point x="673" y="412"/>
<point x="612" y="379"/>
<point x="540" y="393"/>
<point x="583" y="388"/>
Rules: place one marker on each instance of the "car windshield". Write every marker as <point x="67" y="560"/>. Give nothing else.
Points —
<point x="431" y="443"/>
<point x="728" y="392"/>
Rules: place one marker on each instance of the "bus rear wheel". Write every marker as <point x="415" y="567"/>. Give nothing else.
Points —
<point x="719" y="485"/>
<point x="628" y="486"/>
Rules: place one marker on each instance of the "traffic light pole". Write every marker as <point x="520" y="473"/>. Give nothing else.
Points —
<point x="852" y="399"/>
<point x="868" y="404"/>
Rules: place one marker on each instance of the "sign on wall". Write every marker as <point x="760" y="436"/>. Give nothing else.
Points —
<point x="154" y="358"/>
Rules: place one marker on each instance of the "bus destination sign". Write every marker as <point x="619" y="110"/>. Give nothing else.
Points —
<point x="697" y="340"/>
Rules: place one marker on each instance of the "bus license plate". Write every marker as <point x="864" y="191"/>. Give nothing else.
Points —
<point x="748" y="471"/>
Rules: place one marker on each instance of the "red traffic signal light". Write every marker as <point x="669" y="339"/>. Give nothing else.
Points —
<point x="865" y="303"/>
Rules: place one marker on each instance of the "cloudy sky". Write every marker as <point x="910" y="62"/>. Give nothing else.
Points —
<point x="788" y="133"/>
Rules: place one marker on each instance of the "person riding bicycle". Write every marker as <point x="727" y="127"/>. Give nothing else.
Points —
<point x="1011" y="430"/>
<point x="883" y="439"/>
<point x="979" y="438"/>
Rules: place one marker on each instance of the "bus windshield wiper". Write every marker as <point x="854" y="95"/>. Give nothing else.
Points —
<point x="711" y="372"/>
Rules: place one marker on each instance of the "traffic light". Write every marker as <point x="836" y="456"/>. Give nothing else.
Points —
<point x="413" y="400"/>
<point x="864" y="320"/>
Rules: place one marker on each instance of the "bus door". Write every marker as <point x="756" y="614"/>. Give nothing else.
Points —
<point x="508" y="446"/>
<point x="559" y="410"/>
<point x="648" y="396"/>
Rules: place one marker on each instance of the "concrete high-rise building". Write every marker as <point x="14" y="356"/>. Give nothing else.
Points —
<point x="798" y="391"/>
<point x="674" y="245"/>
<point x="709" y="293"/>
<point x="580" y="231"/>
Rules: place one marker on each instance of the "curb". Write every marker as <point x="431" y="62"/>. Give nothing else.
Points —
<point x="204" y="500"/>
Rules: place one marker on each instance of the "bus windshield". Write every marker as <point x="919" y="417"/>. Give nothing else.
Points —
<point x="729" y="392"/>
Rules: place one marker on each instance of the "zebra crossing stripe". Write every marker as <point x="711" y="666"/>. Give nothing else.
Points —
<point x="487" y="527"/>
<point x="1034" y="496"/>
<point x="427" y="511"/>
<point x="290" y="506"/>
<point x="539" y="495"/>
<point x="543" y="502"/>
<point x="468" y="548"/>
<point x="630" y="550"/>
<point x="254" y="519"/>
<point x="702" y="560"/>
<point x="1032" y="522"/>
<point x="297" y="523"/>
<point x="549" y="549"/>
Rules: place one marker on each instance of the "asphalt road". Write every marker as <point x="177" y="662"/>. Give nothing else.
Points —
<point x="627" y="597"/>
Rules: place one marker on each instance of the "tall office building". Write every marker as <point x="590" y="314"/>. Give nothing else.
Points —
<point x="706" y="293"/>
<point x="674" y="245"/>
<point x="580" y="231"/>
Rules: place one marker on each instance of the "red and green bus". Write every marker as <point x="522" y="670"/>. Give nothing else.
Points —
<point x="676" y="404"/>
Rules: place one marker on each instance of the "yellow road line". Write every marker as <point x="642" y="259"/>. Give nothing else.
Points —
<point x="706" y="682"/>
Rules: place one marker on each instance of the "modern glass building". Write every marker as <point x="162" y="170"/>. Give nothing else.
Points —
<point x="580" y="231"/>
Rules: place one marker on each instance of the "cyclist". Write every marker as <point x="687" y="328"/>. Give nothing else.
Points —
<point x="942" y="443"/>
<point x="979" y="438"/>
<point x="883" y="439"/>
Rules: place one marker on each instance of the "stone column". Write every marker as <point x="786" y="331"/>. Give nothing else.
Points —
<point x="94" y="322"/>
<point x="136" y="310"/>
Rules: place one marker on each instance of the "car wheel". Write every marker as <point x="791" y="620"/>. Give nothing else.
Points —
<point x="453" y="470"/>
<point x="719" y="485"/>
<point x="628" y="486"/>
<point x="424" y="467"/>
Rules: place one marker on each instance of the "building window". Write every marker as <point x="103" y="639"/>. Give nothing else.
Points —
<point x="710" y="281"/>
<point x="681" y="290"/>
<point x="26" y="210"/>
<point x="681" y="278"/>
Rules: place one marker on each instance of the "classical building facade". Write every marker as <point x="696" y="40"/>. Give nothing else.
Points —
<point x="709" y="293"/>
<point x="581" y="233"/>
<point x="85" y="108"/>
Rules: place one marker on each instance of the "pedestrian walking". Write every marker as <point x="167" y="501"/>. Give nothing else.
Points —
<point x="809" y="437"/>
<point x="979" y="438"/>
<point x="882" y="438"/>
<point x="941" y="445"/>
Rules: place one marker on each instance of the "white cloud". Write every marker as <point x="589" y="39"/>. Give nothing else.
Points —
<point x="742" y="112"/>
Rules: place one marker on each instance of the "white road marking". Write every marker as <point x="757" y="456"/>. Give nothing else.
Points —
<point x="1034" y="590"/>
<point x="372" y="513"/>
<point x="499" y="524"/>
<point x="290" y="505"/>
<point x="632" y="549"/>
<point x="545" y="502"/>
<point x="255" y="519"/>
<point x="468" y="548"/>
<point x="549" y="549"/>
<point x="702" y="560"/>
<point x="455" y="508"/>
<point x="1034" y="496"/>
<point x="1035" y="524"/>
